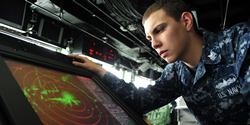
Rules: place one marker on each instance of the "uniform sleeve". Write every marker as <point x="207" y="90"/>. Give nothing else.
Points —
<point x="242" y="42"/>
<point x="141" y="99"/>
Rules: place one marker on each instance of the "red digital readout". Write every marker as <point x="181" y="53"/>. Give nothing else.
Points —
<point x="110" y="55"/>
<point x="111" y="58"/>
<point x="92" y="43"/>
<point x="99" y="54"/>
<point x="91" y="51"/>
<point x="100" y="51"/>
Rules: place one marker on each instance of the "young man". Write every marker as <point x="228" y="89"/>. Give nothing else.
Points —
<point x="210" y="71"/>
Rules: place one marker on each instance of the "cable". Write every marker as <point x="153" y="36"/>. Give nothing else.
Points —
<point x="225" y="18"/>
<point x="112" y="5"/>
<point x="134" y="11"/>
<point x="115" y="21"/>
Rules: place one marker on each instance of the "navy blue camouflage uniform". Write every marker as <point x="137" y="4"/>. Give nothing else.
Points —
<point x="217" y="93"/>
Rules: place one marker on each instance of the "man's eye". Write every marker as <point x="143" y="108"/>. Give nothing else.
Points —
<point x="159" y="30"/>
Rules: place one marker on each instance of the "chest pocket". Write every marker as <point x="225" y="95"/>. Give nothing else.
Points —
<point x="225" y="83"/>
<point x="225" y="94"/>
<point x="225" y="97"/>
<point x="226" y="87"/>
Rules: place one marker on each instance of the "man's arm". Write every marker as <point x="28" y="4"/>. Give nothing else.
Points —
<point x="141" y="99"/>
<point x="88" y="64"/>
<point x="242" y="45"/>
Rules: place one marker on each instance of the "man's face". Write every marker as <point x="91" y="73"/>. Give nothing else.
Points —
<point x="167" y="36"/>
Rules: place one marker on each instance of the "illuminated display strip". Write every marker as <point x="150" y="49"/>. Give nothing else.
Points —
<point x="15" y="33"/>
<point x="12" y="28"/>
<point x="97" y="61"/>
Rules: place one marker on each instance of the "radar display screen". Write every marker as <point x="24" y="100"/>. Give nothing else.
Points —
<point x="62" y="98"/>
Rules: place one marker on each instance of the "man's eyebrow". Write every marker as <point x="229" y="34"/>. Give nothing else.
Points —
<point x="154" y="29"/>
<point x="159" y="25"/>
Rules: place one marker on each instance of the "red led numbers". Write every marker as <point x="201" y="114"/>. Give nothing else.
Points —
<point x="100" y="51"/>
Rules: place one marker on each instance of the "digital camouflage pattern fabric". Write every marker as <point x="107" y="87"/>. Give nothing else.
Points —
<point x="219" y="91"/>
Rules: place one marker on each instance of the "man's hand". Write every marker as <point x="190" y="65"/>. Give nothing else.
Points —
<point x="88" y="64"/>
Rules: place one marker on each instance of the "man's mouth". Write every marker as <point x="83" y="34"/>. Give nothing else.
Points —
<point x="163" y="53"/>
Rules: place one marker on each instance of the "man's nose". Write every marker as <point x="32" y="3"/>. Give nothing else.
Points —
<point x="156" y="43"/>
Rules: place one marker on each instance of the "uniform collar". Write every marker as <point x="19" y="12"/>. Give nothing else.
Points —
<point x="210" y="55"/>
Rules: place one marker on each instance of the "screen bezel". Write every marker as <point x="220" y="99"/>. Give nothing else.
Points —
<point x="41" y="30"/>
<point x="15" y="103"/>
<point x="15" y="25"/>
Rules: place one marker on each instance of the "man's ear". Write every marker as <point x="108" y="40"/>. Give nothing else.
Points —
<point x="187" y="20"/>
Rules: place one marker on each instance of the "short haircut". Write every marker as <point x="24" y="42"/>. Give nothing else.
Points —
<point x="173" y="8"/>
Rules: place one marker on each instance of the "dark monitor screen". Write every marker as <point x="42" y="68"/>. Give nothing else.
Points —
<point x="63" y="98"/>
<point x="50" y="31"/>
<point x="12" y="12"/>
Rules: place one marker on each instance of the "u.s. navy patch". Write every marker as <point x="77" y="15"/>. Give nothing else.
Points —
<point x="227" y="86"/>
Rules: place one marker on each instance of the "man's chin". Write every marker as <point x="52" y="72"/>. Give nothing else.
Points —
<point x="168" y="60"/>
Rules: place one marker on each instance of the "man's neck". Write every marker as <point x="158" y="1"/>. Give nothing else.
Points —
<point x="193" y="55"/>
